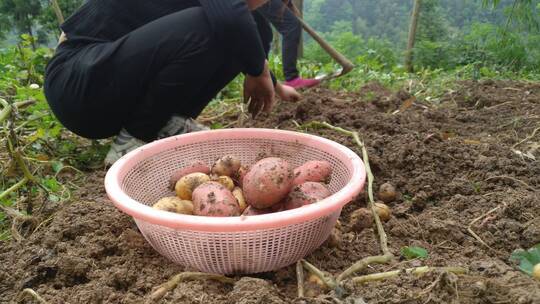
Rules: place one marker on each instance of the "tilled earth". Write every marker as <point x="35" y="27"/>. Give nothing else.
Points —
<point x="451" y="163"/>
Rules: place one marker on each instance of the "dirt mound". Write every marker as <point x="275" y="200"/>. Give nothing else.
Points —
<point x="451" y="165"/>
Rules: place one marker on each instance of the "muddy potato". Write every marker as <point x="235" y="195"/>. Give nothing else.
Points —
<point x="305" y="194"/>
<point x="239" y="196"/>
<point x="335" y="239"/>
<point x="387" y="193"/>
<point x="536" y="272"/>
<point x="383" y="211"/>
<point x="185" y="186"/>
<point x="191" y="167"/>
<point x="361" y="219"/>
<point x="239" y="176"/>
<point x="228" y="165"/>
<point x="225" y="181"/>
<point x="312" y="171"/>
<point x="267" y="182"/>
<point x="174" y="204"/>
<point x="213" y="199"/>
<point x="250" y="210"/>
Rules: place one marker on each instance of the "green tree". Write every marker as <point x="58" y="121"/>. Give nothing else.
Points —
<point x="20" y="14"/>
<point x="48" y="18"/>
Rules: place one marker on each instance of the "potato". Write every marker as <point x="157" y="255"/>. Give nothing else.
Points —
<point x="239" y="196"/>
<point x="383" y="211"/>
<point x="335" y="239"/>
<point x="185" y="186"/>
<point x="268" y="182"/>
<point x="225" y="181"/>
<point x="387" y="193"/>
<point x="174" y="204"/>
<point x="536" y="271"/>
<point x="213" y="199"/>
<point x="363" y="217"/>
<point x="305" y="194"/>
<point x="313" y="171"/>
<point x="191" y="167"/>
<point x="239" y="176"/>
<point x="254" y="211"/>
<point x="227" y="165"/>
<point x="360" y="219"/>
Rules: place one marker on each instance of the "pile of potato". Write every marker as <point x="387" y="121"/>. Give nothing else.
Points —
<point x="228" y="188"/>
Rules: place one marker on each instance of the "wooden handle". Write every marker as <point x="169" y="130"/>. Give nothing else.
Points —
<point x="345" y="63"/>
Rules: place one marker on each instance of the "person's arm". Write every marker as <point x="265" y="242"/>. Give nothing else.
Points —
<point x="266" y="34"/>
<point x="234" y="25"/>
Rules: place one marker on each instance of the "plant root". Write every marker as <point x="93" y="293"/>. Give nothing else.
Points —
<point x="164" y="288"/>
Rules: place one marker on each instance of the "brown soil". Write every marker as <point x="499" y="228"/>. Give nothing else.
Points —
<point x="450" y="164"/>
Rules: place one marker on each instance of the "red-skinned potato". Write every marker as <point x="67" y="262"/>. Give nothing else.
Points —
<point x="267" y="182"/>
<point x="305" y="194"/>
<point x="254" y="211"/>
<point x="213" y="199"/>
<point x="313" y="171"/>
<point x="192" y="167"/>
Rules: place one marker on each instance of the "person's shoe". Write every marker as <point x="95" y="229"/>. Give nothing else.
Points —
<point x="299" y="83"/>
<point x="122" y="144"/>
<point x="180" y="125"/>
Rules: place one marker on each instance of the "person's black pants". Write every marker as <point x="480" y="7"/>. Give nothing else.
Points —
<point x="290" y="29"/>
<point x="171" y="66"/>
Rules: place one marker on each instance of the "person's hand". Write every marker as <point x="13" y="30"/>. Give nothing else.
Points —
<point x="287" y="93"/>
<point x="259" y="92"/>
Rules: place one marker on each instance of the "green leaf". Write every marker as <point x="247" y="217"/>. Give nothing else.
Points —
<point x="527" y="259"/>
<point x="57" y="166"/>
<point x="414" y="252"/>
<point x="51" y="184"/>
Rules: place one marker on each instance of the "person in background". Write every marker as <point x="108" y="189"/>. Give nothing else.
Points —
<point x="286" y="23"/>
<point x="142" y="70"/>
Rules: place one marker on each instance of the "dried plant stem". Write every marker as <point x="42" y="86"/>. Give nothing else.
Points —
<point x="186" y="276"/>
<point x="300" y="278"/>
<point x="326" y="279"/>
<point x="33" y="294"/>
<point x="387" y="256"/>
<point x="471" y="232"/>
<point x="512" y="179"/>
<point x="526" y="138"/>
<point x="395" y="273"/>
<point x="363" y="263"/>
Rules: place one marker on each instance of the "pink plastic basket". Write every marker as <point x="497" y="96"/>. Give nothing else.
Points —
<point x="232" y="244"/>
